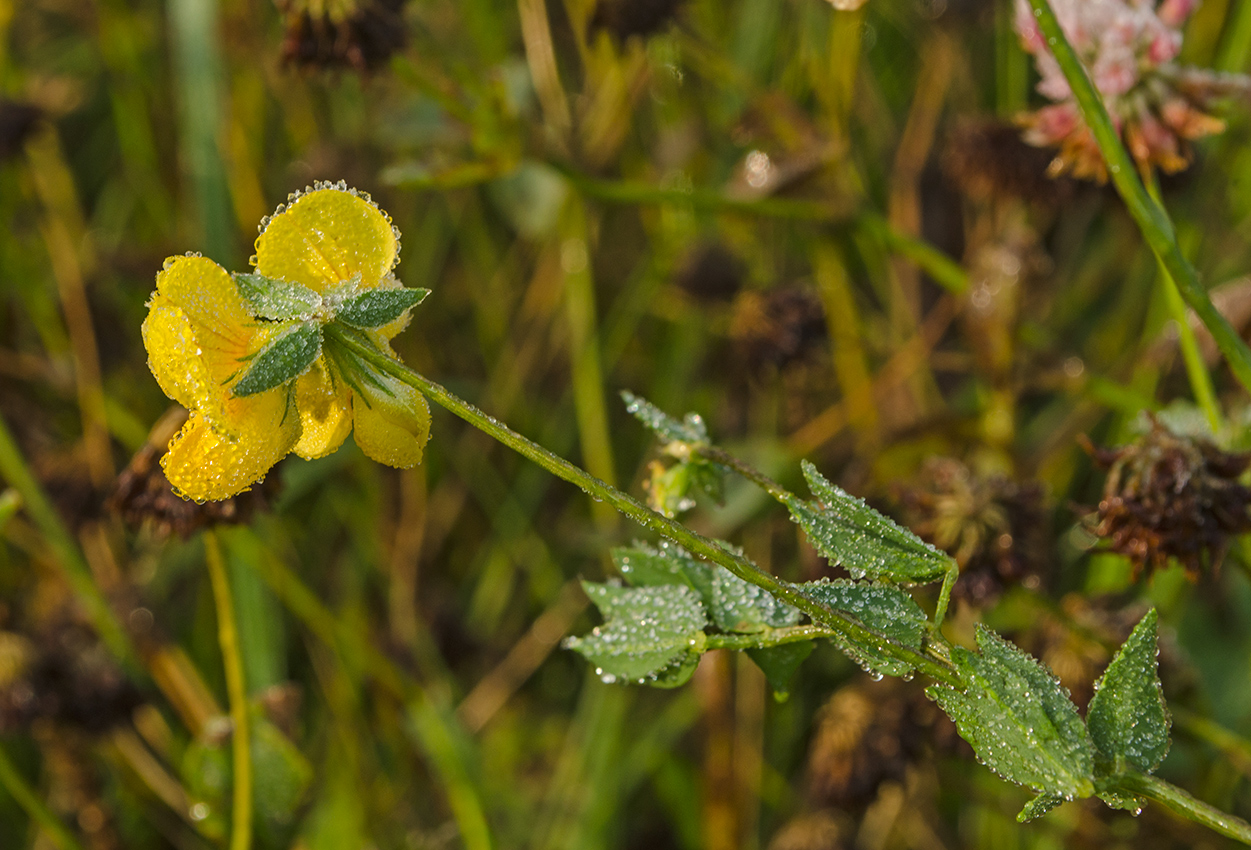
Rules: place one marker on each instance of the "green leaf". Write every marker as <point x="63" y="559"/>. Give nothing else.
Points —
<point x="1128" y="720"/>
<point x="886" y="610"/>
<point x="676" y="674"/>
<point x="374" y="308"/>
<point x="863" y="541"/>
<point x="739" y="606"/>
<point x="276" y="300"/>
<point x="690" y="430"/>
<point x="1018" y="718"/>
<point x="645" y="566"/>
<point x="708" y="477"/>
<point x="1038" y="807"/>
<point x="284" y="358"/>
<point x="779" y="663"/>
<point x="647" y="630"/>
<point x="281" y="774"/>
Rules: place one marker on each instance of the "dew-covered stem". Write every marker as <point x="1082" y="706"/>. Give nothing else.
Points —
<point x="769" y="638"/>
<point x="693" y="542"/>
<point x="1181" y="802"/>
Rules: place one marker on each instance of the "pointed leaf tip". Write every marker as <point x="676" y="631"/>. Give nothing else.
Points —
<point x="866" y="543"/>
<point x="1128" y="719"/>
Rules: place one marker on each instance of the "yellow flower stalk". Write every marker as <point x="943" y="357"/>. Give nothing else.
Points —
<point x="245" y="353"/>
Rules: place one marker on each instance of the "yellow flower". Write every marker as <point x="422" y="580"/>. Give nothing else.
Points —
<point x="204" y="334"/>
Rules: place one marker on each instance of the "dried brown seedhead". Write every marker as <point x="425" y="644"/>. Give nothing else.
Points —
<point x="358" y="34"/>
<point x="143" y="497"/>
<point x="777" y="327"/>
<point x="626" y="18"/>
<point x="988" y="160"/>
<point x="994" y="527"/>
<point x="1169" y="496"/>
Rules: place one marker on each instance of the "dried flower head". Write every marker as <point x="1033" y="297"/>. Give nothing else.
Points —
<point x="1168" y="496"/>
<point x="995" y="528"/>
<point x="777" y="327"/>
<point x="711" y="272"/>
<point x="144" y="498"/>
<point x="626" y="18"/>
<point x="17" y="122"/>
<point x="358" y="34"/>
<point x="66" y="676"/>
<point x="988" y="160"/>
<point x="867" y="733"/>
<point x="1129" y="48"/>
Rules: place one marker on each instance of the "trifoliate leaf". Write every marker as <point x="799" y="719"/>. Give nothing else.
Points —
<point x="374" y="308"/>
<point x="276" y="300"/>
<point x="1127" y="718"/>
<point x="861" y="540"/>
<point x="1018" y="718"/>
<point x="1038" y="807"/>
<point x="690" y="430"/>
<point x="738" y="606"/>
<point x="646" y="631"/>
<point x="646" y="566"/>
<point x="779" y="663"/>
<point x="886" y="610"/>
<point x="284" y="358"/>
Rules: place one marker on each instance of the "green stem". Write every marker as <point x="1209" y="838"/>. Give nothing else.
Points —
<point x="12" y="781"/>
<point x="768" y="638"/>
<point x="1196" y="369"/>
<point x="68" y="557"/>
<point x="1154" y="788"/>
<point x="944" y="270"/>
<point x="236" y="692"/>
<point x="435" y="730"/>
<point x="695" y="543"/>
<point x="1151" y="218"/>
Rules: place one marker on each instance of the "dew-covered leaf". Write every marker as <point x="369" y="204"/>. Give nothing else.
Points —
<point x="284" y="358"/>
<point x="690" y="429"/>
<point x="1128" y="720"/>
<point x="887" y="610"/>
<point x="276" y="300"/>
<point x="1018" y="718"/>
<point x="374" y="308"/>
<point x="643" y="565"/>
<point x="677" y="674"/>
<point x="779" y="663"/>
<point x="864" y="542"/>
<point x="646" y="631"/>
<point x="1038" y="807"/>
<point x="739" y="606"/>
<point x="1115" y="798"/>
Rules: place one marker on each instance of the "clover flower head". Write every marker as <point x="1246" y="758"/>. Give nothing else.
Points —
<point x="1129" y="48"/>
<point x="254" y="356"/>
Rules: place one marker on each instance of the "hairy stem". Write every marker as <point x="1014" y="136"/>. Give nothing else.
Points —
<point x="236" y="691"/>
<point x="768" y="638"/>
<point x="1181" y="802"/>
<point x="695" y="543"/>
<point x="1151" y="218"/>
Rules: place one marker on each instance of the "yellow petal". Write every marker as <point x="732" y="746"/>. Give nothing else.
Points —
<point x="173" y="359"/>
<point x="391" y="428"/>
<point x="207" y="296"/>
<point x="326" y="237"/>
<point x="203" y="463"/>
<point x="325" y="412"/>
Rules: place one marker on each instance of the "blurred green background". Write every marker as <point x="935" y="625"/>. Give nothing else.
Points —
<point x="813" y="227"/>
